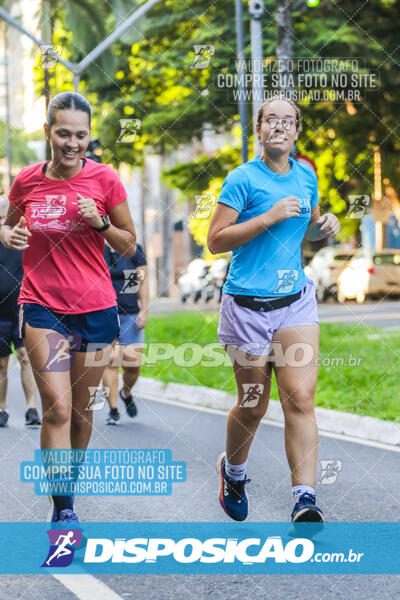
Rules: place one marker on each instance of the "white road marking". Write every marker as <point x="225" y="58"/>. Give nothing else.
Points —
<point x="87" y="587"/>
<point x="215" y="411"/>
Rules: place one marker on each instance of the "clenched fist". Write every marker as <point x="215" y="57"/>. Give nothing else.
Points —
<point x="328" y="224"/>
<point x="285" y="208"/>
<point x="88" y="210"/>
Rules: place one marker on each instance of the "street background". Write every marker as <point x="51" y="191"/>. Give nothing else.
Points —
<point x="364" y="483"/>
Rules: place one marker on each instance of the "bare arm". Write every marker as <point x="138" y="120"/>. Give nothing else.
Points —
<point x="143" y="295"/>
<point x="225" y="234"/>
<point x="121" y="235"/>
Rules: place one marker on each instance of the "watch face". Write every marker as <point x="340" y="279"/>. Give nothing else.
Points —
<point x="105" y="220"/>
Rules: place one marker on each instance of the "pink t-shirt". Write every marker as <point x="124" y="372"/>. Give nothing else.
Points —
<point x="64" y="266"/>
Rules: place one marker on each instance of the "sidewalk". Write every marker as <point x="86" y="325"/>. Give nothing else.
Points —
<point x="332" y="421"/>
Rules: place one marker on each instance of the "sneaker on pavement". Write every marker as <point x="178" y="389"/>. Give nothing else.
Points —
<point x="68" y="516"/>
<point x="53" y="516"/>
<point x="3" y="417"/>
<point x="32" y="417"/>
<point x="232" y="496"/>
<point x="113" y="417"/>
<point x="305" y="510"/>
<point x="130" y="404"/>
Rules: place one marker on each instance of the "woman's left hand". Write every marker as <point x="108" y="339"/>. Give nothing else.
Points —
<point x="88" y="209"/>
<point x="329" y="225"/>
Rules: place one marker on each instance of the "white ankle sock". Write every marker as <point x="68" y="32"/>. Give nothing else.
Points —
<point x="236" y="472"/>
<point x="298" y="490"/>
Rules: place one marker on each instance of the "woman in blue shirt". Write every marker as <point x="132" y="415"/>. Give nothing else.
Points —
<point x="269" y="318"/>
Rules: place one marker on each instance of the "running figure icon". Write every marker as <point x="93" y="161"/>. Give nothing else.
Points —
<point x="62" y="542"/>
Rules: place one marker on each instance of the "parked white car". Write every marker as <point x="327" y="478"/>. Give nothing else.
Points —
<point x="325" y="268"/>
<point x="192" y="282"/>
<point x="215" y="280"/>
<point x="370" y="273"/>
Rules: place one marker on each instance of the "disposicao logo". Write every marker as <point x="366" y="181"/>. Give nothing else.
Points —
<point x="191" y="550"/>
<point x="63" y="543"/>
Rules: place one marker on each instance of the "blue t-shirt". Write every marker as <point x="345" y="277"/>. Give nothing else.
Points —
<point x="270" y="264"/>
<point x="126" y="277"/>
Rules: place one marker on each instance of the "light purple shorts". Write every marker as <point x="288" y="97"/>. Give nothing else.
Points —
<point x="252" y="331"/>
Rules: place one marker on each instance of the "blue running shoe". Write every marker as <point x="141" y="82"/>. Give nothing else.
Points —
<point x="53" y="516"/>
<point x="113" y="417"/>
<point x="3" y="417"/>
<point x="130" y="404"/>
<point x="68" y="516"/>
<point x="232" y="496"/>
<point x="305" y="511"/>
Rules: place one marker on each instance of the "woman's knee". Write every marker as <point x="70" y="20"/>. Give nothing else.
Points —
<point x="250" y="414"/>
<point x="56" y="411"/>
<point x="81" y="421"/>
<point x="23" y="358"/>
<point x="299" y="401"/>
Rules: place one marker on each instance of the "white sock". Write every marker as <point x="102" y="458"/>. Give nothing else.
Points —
<point x="236" y="472"/>
<point x="299" y="490"/>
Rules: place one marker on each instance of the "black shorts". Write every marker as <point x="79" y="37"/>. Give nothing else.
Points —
<point x="9" y="335"/>
<point x="97" y="327"/>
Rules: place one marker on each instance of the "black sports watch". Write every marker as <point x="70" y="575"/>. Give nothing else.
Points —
<point x="106" y="224"/>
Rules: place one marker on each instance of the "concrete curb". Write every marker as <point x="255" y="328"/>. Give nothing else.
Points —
<point x="332" y="421"/>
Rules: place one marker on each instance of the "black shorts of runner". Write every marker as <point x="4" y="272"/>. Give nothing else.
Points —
<point x="9" y="335"/>
<point x="99" y="327"/>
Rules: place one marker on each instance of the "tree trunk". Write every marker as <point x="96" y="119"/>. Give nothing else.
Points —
<point x="167" y="211"/>
<point x="47" y="36"/>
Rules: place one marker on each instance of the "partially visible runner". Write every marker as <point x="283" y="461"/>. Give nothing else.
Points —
<point x="129" y="277"/>
<point x="268" y="309"/>
<point x="61" y="211"/>
<point x="10" y="282"/>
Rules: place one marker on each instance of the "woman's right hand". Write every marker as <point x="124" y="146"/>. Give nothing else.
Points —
<point x="284" y="209"/>
<point x="16" y="237"/>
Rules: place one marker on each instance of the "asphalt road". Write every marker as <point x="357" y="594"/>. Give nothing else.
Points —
<point x="384" y="314"/>
<point x="366" y="490"/>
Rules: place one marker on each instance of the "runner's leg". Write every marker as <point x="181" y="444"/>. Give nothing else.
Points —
<point x="84" y="375"/>
<point x="130" y="374"/>
<point x="132" y="360"/>
<point x="27" y="378"/>
<point x="243" y="420"/>
<point x="54" y="387"/>
<point x="253" y="379"/>
<point x="3" y="380"/>
<point x="296" y="387"/>
<point x="111" y="378"/>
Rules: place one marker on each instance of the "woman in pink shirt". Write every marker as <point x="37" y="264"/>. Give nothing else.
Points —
<point x="61" y="211"/>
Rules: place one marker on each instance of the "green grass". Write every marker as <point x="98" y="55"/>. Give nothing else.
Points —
<point x="371" y="388"/>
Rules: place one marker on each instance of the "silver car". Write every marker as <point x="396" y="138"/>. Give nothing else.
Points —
<point x="325" y="268"/>
<point x="370" y="273"/>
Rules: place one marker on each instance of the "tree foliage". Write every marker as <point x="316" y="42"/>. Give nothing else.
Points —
<point x="148" y="75"/>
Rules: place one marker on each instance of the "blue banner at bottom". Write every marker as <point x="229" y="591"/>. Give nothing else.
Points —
<point x="200" y="548"/>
